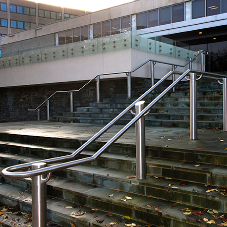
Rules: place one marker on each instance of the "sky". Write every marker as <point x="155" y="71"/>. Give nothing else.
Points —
<point x="87" y="5"/>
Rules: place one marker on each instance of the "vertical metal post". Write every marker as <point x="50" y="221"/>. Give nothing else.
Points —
<point x="71" y="101"/>
<point x="48" y="110"/>
<point x="190" y="63"/>
<point x="129" y="85"/>
<point x="203" y="61"/>
<point x="98" y="88"/>
<point x="140" y="143"/>
<point x="193" y="106"/>
<point x="38" y="114"/>
<point x="173" y="77"/>
<point x="152" y="72"/>
<point x="39" y="203"/>
<point x="225" y="104"/>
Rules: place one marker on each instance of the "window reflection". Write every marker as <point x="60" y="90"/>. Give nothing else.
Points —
<point x="213" y="7"/>
<point x="106" y="28"/>
<point x="152" y="18"/>
<point x="164" y="16"/>
<point x="115" y="26"/>
<point x="97" y="31"/>
<point x="198" y="8"/>
<point x="177" y="13"/>
<point x="126" y="24"/>
<point x="141" y="20"/>
<point x="69" y="36"/>
<point x="76" y="35"/>
<point x="61" y="38"/>
<point x="84" y="33"/>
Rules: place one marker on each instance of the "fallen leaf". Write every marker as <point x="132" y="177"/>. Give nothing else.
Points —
<point x="175" y="187"/>
<point x="130" y="177"/>
<point x="130" y="225"/>
<point x="72" y="225"/>
<point x="148" y="205"/>
<point x="68" y="207"/>
<point x="124" y="200"/>
<point x="111" y="195"/>
<point x="205" y="219"/>
<point x="128" y="197"/>
<point x="187" y="213"/>
<point x="127" y="217"/>
<point x="200" y="148"/>
<point x="183" y="183"/>
<point x="197" y="165"/>
<point x="95" y="209"/>
<point x="109" y="214"/>
<point x="113" y="223"/>
<point x="211" y="222"/>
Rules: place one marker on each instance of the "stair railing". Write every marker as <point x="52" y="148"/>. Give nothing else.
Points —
<point x="129" y="81"/>
<point x="39" y="169"/>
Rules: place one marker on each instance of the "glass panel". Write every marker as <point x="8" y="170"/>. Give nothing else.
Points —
<point x="13" y="24"/>
<point x="213" y="7"/>
<point x="47" y="14"/>
<point x="53" y="15"/>
<point x="72" y="16"/>
<point x="69" y="36"/>
<point x="4" y="22"/>
<point x="41" y="13"/>
<point x="105" y="28"/>
<point x="26" y="11"/>
<point x="59" y="17"/>
<point x="61" y="38"/>
<point x="66" y="16"/>
<point x="13" y="9"/>
<point x="141" y="20"/>
<point x="32" y="11"/>
<point x="27" y="25"/>
<point x="164" y="16"/>
<point x="20" y="9"/>
<point x="224" y="6"/>
<point x="97" y="30"/>
<point x="76" y="35"/>
<point x="152" y="18"/>
<point x="3" y="7"/>
<point x="20" y="24"/>
<point x="126" y="24"/>
<point x="198" y="9"/>
<point x="33" y="25"/>
<point x="115" y="26"/>
<point x="84" y="33"/>
<point x="178" y="13"/>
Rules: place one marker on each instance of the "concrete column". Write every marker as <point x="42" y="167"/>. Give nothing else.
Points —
<point x="37" y="14"/>
<point x="56" y="39"/>
<point x="188" y="10"/>
<point x="62" y="13"/>
<point x="8" y="16"/>
<point x="91" y="31"/>
<point x="134" y="22"/>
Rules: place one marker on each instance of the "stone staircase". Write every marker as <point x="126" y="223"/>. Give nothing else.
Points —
<point x="184" y="187"/>
<point x="171" y="111"/>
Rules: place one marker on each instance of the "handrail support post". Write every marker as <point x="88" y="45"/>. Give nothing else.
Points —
<point x="193" y="106"/>
<point x="98" y="88"/>
<point x="173" y="77"/>
<point x="38" y="114"/>
<point x="152" y="63"/>
<point x="71" y="101"/>
<point x="203" y="61"/>
<point x="225" y="104"/>
<point x="190" y="63"/>
<point x="48" y="110"/>
<point x="140" y="143"/>
<point x="39" y="202"/>
<point x="129" y="84"/>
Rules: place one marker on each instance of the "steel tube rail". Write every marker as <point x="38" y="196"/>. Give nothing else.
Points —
<point x="6" y="172"/>
<point x="225" y="104"/>
<point x="193" y="107"/>
<point x="140" y="143"/>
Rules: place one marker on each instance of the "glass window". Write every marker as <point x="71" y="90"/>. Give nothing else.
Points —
<point x="198" y="8"/>
<point x="26" y="10"/>
<point x="84" y="33"/>
<point x="72" y="16"/>
<point x="13" y="24"/>
<point x="27" y="25"/>
<point x="53" y="15"/>
<point x="115" y="26"/>
<point x="106" y="28"/>
<point x="69" y="36"/>
<point x="20" y="24"/>
<point x="152" y="18"/>
<point x="97" y="31"/>
<point x="224" y="6"/>
<point x="164" y="15"/>
<point x="47" y="14"/>
<point x="4" y="22"/>
<point x="13" y="9"/>
<point x="141" y="20"/>
<point x="178" y="13"/>
<point x="61" y="38"/>
<point x="213" y="7"/>
<point x="33" y="25"/>
<point x="59" y="17"/>
<point x="3" y="7"/>
<point x="32" y="11"/>
<point x="66" y="15"/>
<point x="76" y="35"/>
<point x="126" y="24"/>
<point x="41" y="13"/>
<point x="20" y="9"/>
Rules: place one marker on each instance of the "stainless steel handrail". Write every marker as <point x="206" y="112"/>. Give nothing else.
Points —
<point x="8" y="172"/>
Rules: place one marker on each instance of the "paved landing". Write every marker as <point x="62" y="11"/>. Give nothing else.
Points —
<point x="213" y="140"/>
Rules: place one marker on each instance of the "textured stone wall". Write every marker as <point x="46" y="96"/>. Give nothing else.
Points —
<point x="15" y="101"/>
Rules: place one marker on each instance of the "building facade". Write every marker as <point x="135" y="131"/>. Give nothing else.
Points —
<point x="68" y="53"/>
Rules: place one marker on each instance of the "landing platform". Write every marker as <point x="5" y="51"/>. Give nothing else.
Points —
<point x="212" y="140"/>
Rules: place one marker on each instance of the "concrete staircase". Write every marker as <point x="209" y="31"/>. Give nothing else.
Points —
<point x="184" y="187"/>
<point x="171" y="111"/>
